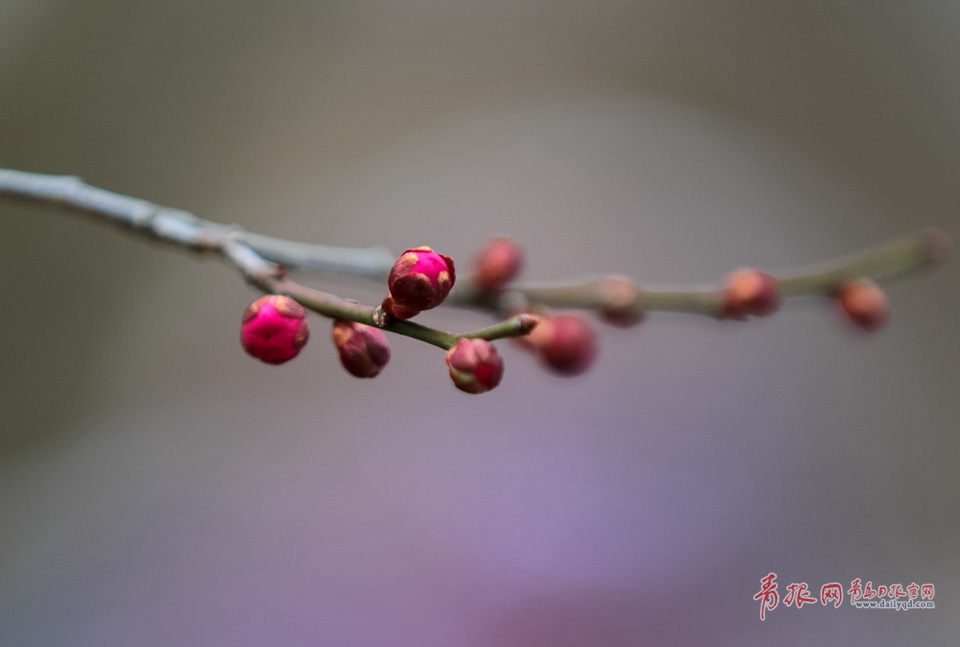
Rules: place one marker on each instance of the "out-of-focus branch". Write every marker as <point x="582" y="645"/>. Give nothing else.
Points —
<point x="184" y="229"/>
<point x="924" y="248"/>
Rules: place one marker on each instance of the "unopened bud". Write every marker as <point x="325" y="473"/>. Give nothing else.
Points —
<point x="475" y="365"/>
<point x="864" y="303"/>
<point x="620" y="297"/>
<point x="420" y="280"/>
<point x="498" y="263"/>
<point x="566" y="343"/>
<point x="274" y="329"/>
<point x="750" y="292"/>
<point x="363" y="350"/>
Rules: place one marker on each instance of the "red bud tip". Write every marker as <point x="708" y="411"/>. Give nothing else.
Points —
<point x="475" y="365"/>
<point x="364" y="350"/>
<point x="750" y="292"/>
<point x="621" y="302"/>
<point x="566" y="343"/>
<point x="865" y="304"/>
<point x="498" y="263"/>
<point x="420" y="280"/>
<point x="274" y="329"/>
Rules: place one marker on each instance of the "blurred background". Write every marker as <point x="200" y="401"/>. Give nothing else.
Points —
<point x="159" y="487"/>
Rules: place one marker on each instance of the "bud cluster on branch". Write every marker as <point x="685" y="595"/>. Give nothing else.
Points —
<point x="275" y="328"/>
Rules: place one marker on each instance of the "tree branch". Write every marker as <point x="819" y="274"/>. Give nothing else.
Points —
<point x="260" y="259"/>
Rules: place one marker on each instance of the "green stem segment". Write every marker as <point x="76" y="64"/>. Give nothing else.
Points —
<point x="334" y="307"/>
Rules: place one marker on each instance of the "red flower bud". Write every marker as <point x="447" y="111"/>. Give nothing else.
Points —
<point x="274" y="329"/>
<point x="566" y="343"/>
<point x="498" y="263"/>
<point x="475" y="365"/>
<point x="420" y="279"/>
<point x="364" y="350"/>
<point x="750" y="292"/>
<point x="864" y="303"/>
<point x="621" y="298"/>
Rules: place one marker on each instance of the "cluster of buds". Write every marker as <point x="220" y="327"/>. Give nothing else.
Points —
<point x="566" y="344"/>
<point x="275" y="328"/>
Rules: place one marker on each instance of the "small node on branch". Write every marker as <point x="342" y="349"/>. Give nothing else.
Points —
<point x="526" y="322"/>
<point x="498" y="263"/>
<point x="274" y="329"/>
<point x="380" y="315"/>
<point x="620" y="299"/>
<point x="750" y="292"/>
<point x="420" y="280"/>
<point x="864" y="303"/>
<point x="566" y="343"/>
<point x="475" y="365"/>
<point x="364" y="350"/>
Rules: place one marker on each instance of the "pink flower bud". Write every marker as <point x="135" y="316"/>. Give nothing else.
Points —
<point x="750" y="292"/>
<point x="864" y="303"/>
<point x="274" y="329"/>
<point x="566" y="343"/>
<point x="420" y="279"/>
<point x="364" y="350"/>
<point x="620" y="301"/>
<point x="475" y="365"/>
<point x="498" y="263"/>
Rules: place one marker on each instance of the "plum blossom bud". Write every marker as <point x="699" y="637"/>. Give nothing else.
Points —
<point x="566" y="343"/>
<point x="498" y="263"/>
<point x="420" y="279"/>
<point x="620" y="301"/>
<point x="364" y="350"/>
<point x="475" y="365"/>
<point x="750" y="292"/>
<point x="865" y="304"/>
<point x="274" y="329"/>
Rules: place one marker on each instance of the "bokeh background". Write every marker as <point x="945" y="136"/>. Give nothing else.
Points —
<point x="159" y="487"/>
